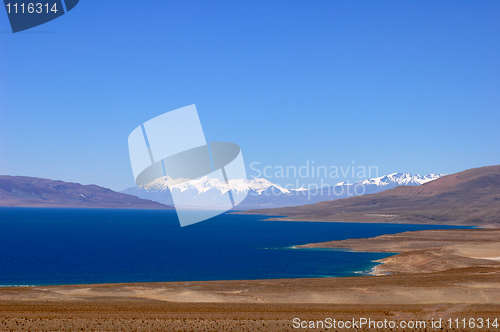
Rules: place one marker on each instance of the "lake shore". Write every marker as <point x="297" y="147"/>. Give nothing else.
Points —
<point x="427" y="251"/>
<point x="445" y="273"/>
<point x="269" y="305"/>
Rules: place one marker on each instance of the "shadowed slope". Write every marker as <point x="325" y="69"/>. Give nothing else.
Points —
<point x="24" y="191"/>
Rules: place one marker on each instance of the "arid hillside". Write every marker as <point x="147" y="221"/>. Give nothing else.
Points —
<point x="24" y="191"/>
<point x="471" y="197"/>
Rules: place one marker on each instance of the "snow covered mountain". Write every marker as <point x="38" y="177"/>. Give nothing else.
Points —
<point x="401" y="179"/>
<point x="262" y="193"/>
<point x="204" y="184"/>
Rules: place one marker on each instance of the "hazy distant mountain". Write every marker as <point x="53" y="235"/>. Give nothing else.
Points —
<point x="262" y="193"/>
<point x="24" y="191"/>
<point x="471" y="197"/>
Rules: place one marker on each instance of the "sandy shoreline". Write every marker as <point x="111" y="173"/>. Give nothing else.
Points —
<point x="269" y="305"/>
<point x="427" y="251"/>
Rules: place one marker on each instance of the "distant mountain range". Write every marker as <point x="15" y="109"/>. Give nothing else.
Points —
<point x="36" y="192"/>
<point x="262" y="193"/>
<point x="471" y="197"/>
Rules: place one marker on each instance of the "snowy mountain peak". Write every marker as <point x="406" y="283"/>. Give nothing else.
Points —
<point x="401" y="179"/>
<point x="260" y="185"/>
<point x="205" y="183"/>
<point x="258" y="192"/>
<point x="163" y="183"/>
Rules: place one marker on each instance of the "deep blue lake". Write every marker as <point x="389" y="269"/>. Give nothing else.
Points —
<point x="80" y="246"/>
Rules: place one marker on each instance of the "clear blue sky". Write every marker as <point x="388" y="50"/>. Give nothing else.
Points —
<point x="408" y="86"/>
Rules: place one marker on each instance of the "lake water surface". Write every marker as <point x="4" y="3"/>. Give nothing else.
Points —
<point x="82" y="246"/>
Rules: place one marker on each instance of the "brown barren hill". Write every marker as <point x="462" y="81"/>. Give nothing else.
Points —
<point x="471" y="197"/>
<point x="24" y="191"/>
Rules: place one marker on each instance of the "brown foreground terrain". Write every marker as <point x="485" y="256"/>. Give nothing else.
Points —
<point x="442" y="274"/>
<point x="138" y="315"/>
